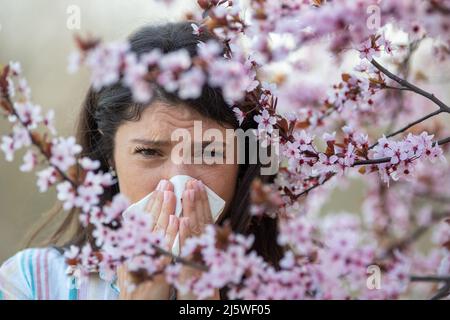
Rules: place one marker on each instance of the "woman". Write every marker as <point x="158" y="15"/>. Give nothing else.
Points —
<point x="134" y="140"/>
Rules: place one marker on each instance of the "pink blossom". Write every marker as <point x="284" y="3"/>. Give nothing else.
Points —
<point x="265" y="121"/>
<point x="209" y="50"/>
<point x="304" y="139"/>
<point x="7" y="147"/>
<point x="46" y="178"/>
<point x="48" y="121"/>
<point x="21" y="137"/>
<point x="240" y="115"/>
<point x="16" y="68"/>
<point x="366" y="50"/>
<point x="86" y="198"/>
<point x="66" y="194"/>
<point x="29" y="161"/>
<point x="29" y="114"/>
<point x="326" y="163"/>
<point x="134" y="77"/>
<point x="88" y="164"/>
<point x="105" y="61"/>
<point x="191" y="83"/>
<point x="64" y="152"/>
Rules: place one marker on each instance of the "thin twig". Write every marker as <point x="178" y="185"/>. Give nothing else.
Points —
<point x="405" y="84"/>
<point x="179" y="259"/>
<point x="432" y="278"/>
<point x="360" y="163"/>
<point x="387" y="159"/>
<point x="432" y="114"/>
<point x="38" y="145"/>
<point x="442" y="293"/>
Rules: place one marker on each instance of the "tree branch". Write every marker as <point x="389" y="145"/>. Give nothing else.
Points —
<point x="432" y="278"/>
<point x="181" y="260"/>
<point x="387" y="159"/>
<point x="405" y="84"/>
<point x="360" y="163"/>
<point x="36" y="143"/>
<point x="413" y="236"/>
<point x="443" y="292"/>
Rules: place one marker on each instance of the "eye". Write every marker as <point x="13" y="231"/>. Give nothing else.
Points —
<point x="147" y="152"/>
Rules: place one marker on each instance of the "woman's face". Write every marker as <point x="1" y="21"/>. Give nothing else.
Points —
<point x="142" y="152"/>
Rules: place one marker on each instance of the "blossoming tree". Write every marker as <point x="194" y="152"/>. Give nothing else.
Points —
<point x="375" y="125"/>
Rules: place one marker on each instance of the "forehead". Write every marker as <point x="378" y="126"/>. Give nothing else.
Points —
<point x="160" y="120"/>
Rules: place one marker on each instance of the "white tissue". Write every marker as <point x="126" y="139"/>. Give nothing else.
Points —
<point x="216" y="203"/>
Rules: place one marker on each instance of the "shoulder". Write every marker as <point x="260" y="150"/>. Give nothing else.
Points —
<point x="27" y="274"/>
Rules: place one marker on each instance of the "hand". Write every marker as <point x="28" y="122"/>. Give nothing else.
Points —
<point x="196" y="216"/>
<point x="161" y="207"/>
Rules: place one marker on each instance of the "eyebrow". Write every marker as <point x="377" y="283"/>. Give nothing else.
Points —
<point x="165" y="143"/>
<point x="156" y="143"/>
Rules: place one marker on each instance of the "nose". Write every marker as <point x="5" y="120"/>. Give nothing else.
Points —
<point x="173" y="169"/>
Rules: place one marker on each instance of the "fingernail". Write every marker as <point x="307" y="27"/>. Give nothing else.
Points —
<point x="195" y="185"/>
<point x="200" y="185"/>
<point x="162" y="185"/>
<point x="167" y="196"/>
<point x="171" y="219"/>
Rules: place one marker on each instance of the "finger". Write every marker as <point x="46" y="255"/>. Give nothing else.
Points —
<point x="188" y="205"/>
<point x="151" y="201"/>
<point x="169" y="238"/>
<point x="167" y="209"/>
<point x="148" y="206"/>
<point x="156" y="208"/>
<point x="171" y="231"/>
<point x="199" y="216"/>
<point x="122" y="276"/>
<point x="162" y="185"/>
<point x="206" y="216"/>
<point x="157" y="203"/>
<point x="185" y="230"/>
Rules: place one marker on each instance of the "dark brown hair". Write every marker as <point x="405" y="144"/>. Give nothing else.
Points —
<point x="104" y="111"/>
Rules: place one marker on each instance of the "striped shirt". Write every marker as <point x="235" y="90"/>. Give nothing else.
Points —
<point x="41" y="274"/>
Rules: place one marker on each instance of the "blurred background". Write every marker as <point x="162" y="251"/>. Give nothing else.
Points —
<point x="38" y="35"/>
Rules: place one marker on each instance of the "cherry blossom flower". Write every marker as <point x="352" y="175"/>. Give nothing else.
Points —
<point x="209" y="50"/>
<point x="64" y="152"/>
<point x="15" y="67"/>
<point x="46" y="178"/>
<point x="240" y="115"/>
<point x="88" y="164"/>
<point x="304" y="140"/>
<point x="29" y="161"/>
<point x="48" y="121"/>
<point x="326" y="163"/>
<point x="105" y="62"/>
<point x="191" y="83"/>
<point x="29" y="114"/>
<point x="7" y="147"/>
<point x="66" y="194"/>
<point x="367" y="51"/>
<point x="265" y="121"/>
